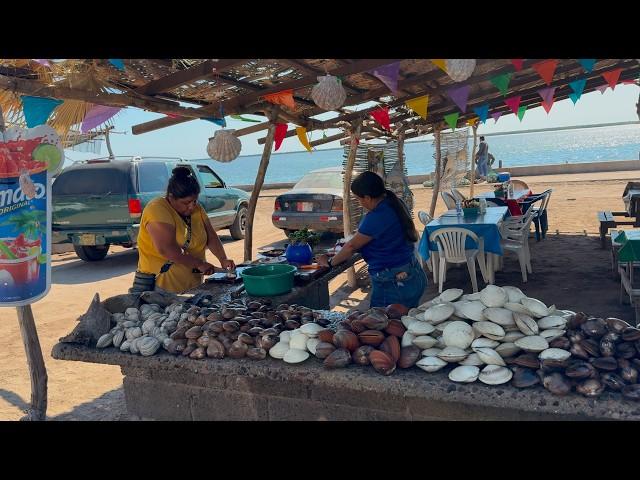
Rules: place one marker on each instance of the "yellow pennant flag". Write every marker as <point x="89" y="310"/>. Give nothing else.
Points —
<point x="440" y="63"/>
<point x="472" y="121"/>
<point x="302" y="136"/>
<point x="419" y="105"/>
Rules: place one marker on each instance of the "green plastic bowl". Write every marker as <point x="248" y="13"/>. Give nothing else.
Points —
<point x="268" y="280"/>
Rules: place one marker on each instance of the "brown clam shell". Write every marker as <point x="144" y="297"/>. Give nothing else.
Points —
<point x="632" y="392"/>
<point x="291" y="324"/>
<point x="607" y="347"/>
<point x="524" y="377"/>
<point x="229" y="313"/>
<point x="382" y="362"/>
<point x="594" y="328"/>
<point x="178" y="334"/>
<point x="238" y="349"/>
<point x="396" y="311"/>
<point x="528" y="360"/>
<point x="626" y="350"/>
<point x="215" y="349"/>
<point x="409" y="356"/>
<point x="591" y="346"/>
<point x="325" y="335"/>
<point x="357" y="326"/>
<point x="576" y="320"/>
<point x="631" y="334"/>
<point x="556" y="383"/>
<point x="324" y="349"/>
<point x="346" y="339"/>
<point x="188" y="350"/>
<point x="577" y="351"/>
<point x="575" y="336"/>
<point x="231" y="326"/>
<point x="268" y="341"/>
<point x="193" y="332"/>
<point x="395" y="328"/>
<point x="177" y="346"/>
<point x="608" y="364"/>
<point x="338" y="359"/>
<point x="560" y="342"/>
<point x="361" y="355"/>
<point x="371" y="337"/>
<point x="579" y="369"/>
<point x="215" y="316"/>
<point x="246" y="338"/>
<point x="391" y="345"/>
<point x="256" y="353"/>
<point x="612" y="381"/>
<point x="203" y="341"/>
<point x="616" y="325"/>
<point x="375" y="320"/>
<point x="199" y="353"/>
<point x="590" y="388"/>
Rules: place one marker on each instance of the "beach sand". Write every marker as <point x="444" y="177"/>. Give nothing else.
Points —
<point x="83" y="391"/>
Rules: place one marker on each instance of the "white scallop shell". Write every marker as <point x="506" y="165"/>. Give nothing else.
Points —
<point x="464" y="374"/>
<point x="407" y="320"/>
<point x="451" y="294"/>
<point x="295" y="355"/>
<point x="125" y="346"/>
<point x="489" y="356"/>
<point x="311" y="329"/>
<point x="532" y="343"/>
<point x="472" y="359"/>
<point x="457" y="334"/>
<point x="312" y="343"/>
<point x="407" y="339"/>
<point x="148" y="345"/>
<point x="535" y="306"/>
<point x="420" y="328"/>
<point x="430" y="364"/>
<point x="424" y="342"/>
<point x="473" y="310"/>
<point x="285" y="336"/>
<point x="458" y="309"/>
<point x="279" y="349"/>
<point x="526" y="324"/>
<point x="517" y="307"/>
<point x="439" y="313"/>
<point x="431" y="352"/>
<point x="507" y="349"/>
<point x="471" y="297"/>
<point x="554" y="354"/>
<point x="493" y="296"/>
<point x="514" y="294"/>
<point x="512" y="336"/>
<point x="118" y="338"/>
<point x="328" y="93"/>
<point x="453" y="354"/>
<point x="552" y="333"/>
<point x="552" y="321"/>
<point x="105" y="340"/>
<point x="298" y="341"/>
<point x="495" y="375"/>
<point x="501" y="316"/>
<point x="439" y="328"/>
<point x="484" y="342"/>
<point x="490" y="330"/>
<point x="224" y="146"/>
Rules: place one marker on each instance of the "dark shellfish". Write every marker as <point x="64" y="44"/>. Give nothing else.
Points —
<point x="632" y="392"/>
<point x="631" y="334"/>
<point x="613" y="381"/>
<point x="560" y="342"/>
<point x="608" y="364"/>
<point x="579" y="369"/>
<point x="626" y="350"/>
<point x="576" y="320"/>
<point x="524" y="377"/>
<point x="527" y="360"/>
<point x="591" y="347"/>
<point x="590" y="388"/>
<point x="594" y="327"/>
<point x="557" y="384"/>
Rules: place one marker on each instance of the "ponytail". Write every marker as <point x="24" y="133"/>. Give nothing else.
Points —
<point x="402" y="211"/>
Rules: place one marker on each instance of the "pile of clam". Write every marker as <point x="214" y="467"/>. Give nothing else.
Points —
<point x="489" y="330"/>
<point x="605" y="355"/>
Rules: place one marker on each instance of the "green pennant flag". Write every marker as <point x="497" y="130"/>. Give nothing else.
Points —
<point x="324" y="134"/>
<point x="521" y="110"/>
<point x="244" y="119"/>
<point x="502" y="82"/>
<point x="452" y="119"/>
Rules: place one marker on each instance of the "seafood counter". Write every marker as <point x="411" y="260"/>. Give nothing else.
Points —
<point x="497" y="337"/>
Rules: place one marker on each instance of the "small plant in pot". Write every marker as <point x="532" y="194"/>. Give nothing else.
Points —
<point x="300" y="250"/>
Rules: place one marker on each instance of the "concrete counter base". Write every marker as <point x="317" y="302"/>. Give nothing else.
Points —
<point x="164" y="387"/>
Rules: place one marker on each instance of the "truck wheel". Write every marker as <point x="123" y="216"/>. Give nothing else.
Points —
<point x="239" y="224"/>
<point x="91" y="253"/>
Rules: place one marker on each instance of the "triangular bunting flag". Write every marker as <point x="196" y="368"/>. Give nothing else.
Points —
<point x="521" y="111"/>
<point x="502" y="82"/>
<point x="602" y="88"/>
<point x="382" y="117"/>
<point x="517" y="63"/>
<point x="388" y="74"/>
<point x="117" y="62"/>
<point x="513" y="103"/>
<point x="575" y="97"/>
<point x="97" y="115"/>
<point x="547" y="94"/>
<point x="302" y="136"/>
<point x="546" y="69"/>
<point x="452" y="120"/>
<point x="419" y="105"/>
<point x="612" y="77"/>
<point x="38" y="109"/>
<point x="280" y="133"/>
<point x="472" y="121"/>
<point x="244" y="119"/>
<point x="547" y="105"/>
<point x="218" y="121"/>
<point x="460" y="96"/>
<point x="587" y="63"/>
<point x="578" y="86"/>
<point x="284" y="97"/>
<point x="496" y="116"/>
<point x="482" y="112"/>
<point x="440" y="63"/>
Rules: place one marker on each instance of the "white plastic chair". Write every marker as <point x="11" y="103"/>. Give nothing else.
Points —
<point x="449" y="201"/>
<point x="457" y="195"/>
<point x="515" y="238"/>
<point x="451" y="249"/>
<point x="424" y="217"/>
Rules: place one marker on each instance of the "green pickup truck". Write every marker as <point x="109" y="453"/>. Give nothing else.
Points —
<point x="98" y="203"/>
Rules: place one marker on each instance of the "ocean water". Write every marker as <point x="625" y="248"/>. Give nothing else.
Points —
<point x="521" y="149"/>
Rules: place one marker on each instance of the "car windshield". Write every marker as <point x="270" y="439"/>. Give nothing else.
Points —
<point x="320" y="180"/>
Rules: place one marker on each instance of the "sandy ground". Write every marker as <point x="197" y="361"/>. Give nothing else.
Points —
<point x="568" y="266"/>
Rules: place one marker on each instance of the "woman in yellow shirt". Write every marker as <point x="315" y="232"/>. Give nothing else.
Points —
<point x="174" y="234"/>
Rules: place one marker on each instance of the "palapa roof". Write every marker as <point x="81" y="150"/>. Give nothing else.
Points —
<point x="219" y="87"/>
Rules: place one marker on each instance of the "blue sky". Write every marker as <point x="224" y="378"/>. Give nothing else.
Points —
<point x="189" y="140"/>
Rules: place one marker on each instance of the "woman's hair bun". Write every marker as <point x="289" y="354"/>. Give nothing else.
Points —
<point x="181" y="172"/>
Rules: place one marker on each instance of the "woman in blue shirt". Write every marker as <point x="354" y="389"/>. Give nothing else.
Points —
<point x="386" y="239"/>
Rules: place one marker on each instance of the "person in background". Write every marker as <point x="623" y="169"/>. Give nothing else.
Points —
<point x="385" y="238"/>
<point x="174" y="235"/>
<point x="482" y="159"/>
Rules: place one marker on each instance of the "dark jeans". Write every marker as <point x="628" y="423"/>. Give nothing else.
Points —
<point x="387" y="288"/>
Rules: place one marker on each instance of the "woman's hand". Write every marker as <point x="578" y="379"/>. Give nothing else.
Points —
<point x="228" y="264"/>
<point x="323" y="260"/>
<point x="207" y="268"/>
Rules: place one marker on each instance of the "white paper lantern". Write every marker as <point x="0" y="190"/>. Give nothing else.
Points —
<point x="328" y="93"/>
<point x="224" y="146"/>
<point x="460" y="69"/>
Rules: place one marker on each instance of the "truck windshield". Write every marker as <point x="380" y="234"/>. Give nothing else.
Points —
<point x="321" y="180"/>
<point x="97" y="180"/>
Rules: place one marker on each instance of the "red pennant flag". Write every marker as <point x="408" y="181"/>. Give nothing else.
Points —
<point x="284" y="97"/>
<point x="546" y="69"/>
<point x="382" y="117"/>
<point x="612" y="77"/>
<point x="513" y="103"/>
<point x="281" y="132"/>
<point x="517" y="63"/>
<point x="547" y="105"/>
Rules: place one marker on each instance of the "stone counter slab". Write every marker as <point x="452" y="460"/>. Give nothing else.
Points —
<point x="270" y="389"/>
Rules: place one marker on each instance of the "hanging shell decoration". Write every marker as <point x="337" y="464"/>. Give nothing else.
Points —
<point x="328" y="93"/>
<point x="460" y="69"/>
<point x="224" y="146"/>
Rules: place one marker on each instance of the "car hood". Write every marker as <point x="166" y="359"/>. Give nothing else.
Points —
<point x="329" y="191"/>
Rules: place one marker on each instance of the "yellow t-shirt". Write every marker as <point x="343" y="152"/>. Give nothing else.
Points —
<point x="178" y="278"/>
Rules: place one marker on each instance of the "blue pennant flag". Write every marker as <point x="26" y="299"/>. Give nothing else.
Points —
<point x="587" y="63"/>
<point x="117" y="62"/>
<point x="575" y="97"/>
<point x="578" y="86"/>
<point x="218" y="121"/>
<point x="38" y="109"/>
<point x="482" y="112"/>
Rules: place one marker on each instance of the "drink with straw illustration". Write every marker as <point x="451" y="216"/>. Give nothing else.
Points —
<point x="20" y="257"/>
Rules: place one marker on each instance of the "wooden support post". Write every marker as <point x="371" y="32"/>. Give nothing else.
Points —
<point x="255" y="193"/>
<point x="106" y="138"/>
<point x="473" y="159"/>
<point x="436" y="180"/>
<point x="37" y="369"/>
<point x="401" y="131"/>
<point x="346" y="192"/>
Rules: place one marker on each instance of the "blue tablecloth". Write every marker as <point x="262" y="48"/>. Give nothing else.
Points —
<point x="485" y="226"/>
